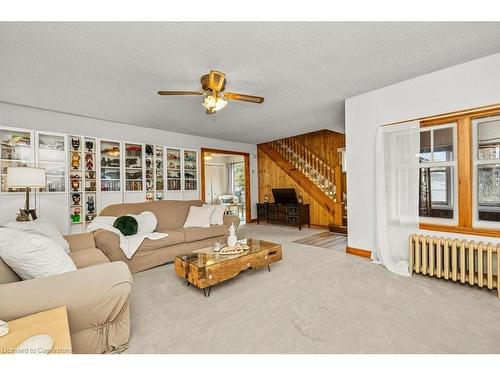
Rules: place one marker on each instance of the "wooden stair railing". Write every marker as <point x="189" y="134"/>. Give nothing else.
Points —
<point x="297" y="162"/>
<point x="327" y="178"/>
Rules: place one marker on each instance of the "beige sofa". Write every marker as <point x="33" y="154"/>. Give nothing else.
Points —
<point x="96" y="296"/>
<point x="171" y="215"/>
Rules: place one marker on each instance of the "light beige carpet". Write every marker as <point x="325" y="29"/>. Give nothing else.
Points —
<point x="314" y="301"/>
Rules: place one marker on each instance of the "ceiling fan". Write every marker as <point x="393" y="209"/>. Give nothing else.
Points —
<point x="213" y="85"/>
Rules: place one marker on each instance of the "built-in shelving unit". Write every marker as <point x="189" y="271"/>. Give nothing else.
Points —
<point x="85" y="174"/>
<point x="82" y="179"/>
<point x="110" y="166"/>
<point x="90" y="176"/>
<point x="190" y="170"/>
<point x="150" y="173"/>
<point x="76" y="179"/>
<point x="134" y="171"/>
<point x="52" y="157"/>
<point x="174" y="169"/>
<point x="15" y="151"/>
<point x="155" y="183"/>
<point x="159" y="173"/>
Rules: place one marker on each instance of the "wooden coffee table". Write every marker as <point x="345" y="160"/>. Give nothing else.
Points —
<point x="205" y="268"/>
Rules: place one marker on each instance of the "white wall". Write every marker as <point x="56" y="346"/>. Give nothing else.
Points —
<point x="464" y="86"/>
<point x="31" y="118"/>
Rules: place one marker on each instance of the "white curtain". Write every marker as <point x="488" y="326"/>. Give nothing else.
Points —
<point x="397" y="182"/>
<point x="230" y="179"/>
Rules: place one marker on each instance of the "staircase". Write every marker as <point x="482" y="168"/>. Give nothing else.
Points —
<point x="310" y="171"/>
<point x="310" y="164"/>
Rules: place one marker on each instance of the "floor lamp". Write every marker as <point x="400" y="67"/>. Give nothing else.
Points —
<point x="26" y="178"/>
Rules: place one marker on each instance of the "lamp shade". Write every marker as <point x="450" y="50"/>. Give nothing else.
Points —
<point x="23" y="177"/>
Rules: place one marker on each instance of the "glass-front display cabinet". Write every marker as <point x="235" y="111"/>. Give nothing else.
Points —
<point x="150" y="172"/>
<point x="159" y="173"/>
<point x="52" y="157"/>
<point x="15" y="151"/>
<point x="190" y="170"/>
<point x="133" y="167"/>
<point x="155" y="183"/>
<point x="110" y="166"/>
<point x="173" y="166"/>
<point x="76" y="179"/>
<point x="90" y="175"/>
<point x="82" y="179"/>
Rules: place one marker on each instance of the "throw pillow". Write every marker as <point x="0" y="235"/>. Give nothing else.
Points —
<point x="147" y="222"/>
<point x="217" y="217"/>
<point x="40" y="226"/>
<point x="199" y="217"/>
<point x="31" y="255"/>
<point x="126" y="224"/>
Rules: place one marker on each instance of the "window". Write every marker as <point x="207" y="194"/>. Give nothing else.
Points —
<point x="437" y="190"/>
<point x="239" y="180"/>
<point x="486" y="172"/>
<point x="460" y="172"/>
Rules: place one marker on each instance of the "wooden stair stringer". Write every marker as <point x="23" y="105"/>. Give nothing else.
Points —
<point x="333" y="208"/>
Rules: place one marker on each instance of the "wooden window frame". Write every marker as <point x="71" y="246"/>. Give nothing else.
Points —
<point x="453" y="163"/>
<point x="464" y="171"/>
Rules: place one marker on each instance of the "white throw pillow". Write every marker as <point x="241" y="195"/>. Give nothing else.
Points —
<point x="217" y="217"/>
<point x="40" y="226"/>
<point x="146" y="222"/>
<point x="31" y="255"/>
<point x="199" y="217"/>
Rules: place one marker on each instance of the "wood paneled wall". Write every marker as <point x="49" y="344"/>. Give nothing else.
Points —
<point x="325" y="144"/>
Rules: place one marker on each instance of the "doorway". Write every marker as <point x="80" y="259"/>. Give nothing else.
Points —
<point x="225" y="179"/>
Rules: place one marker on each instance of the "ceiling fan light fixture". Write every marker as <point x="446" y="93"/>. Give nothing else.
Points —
<point x="213" y="102"/>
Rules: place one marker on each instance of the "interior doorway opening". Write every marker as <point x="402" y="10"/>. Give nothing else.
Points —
<point x="225" y="179"/>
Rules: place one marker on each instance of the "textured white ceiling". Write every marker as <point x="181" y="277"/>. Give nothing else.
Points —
<point x="304" y="70"/>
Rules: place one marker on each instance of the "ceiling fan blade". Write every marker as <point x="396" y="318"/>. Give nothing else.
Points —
<point x="216" y="80"/>
<point x="179" y="93"/>
<point x="244" y="97"/>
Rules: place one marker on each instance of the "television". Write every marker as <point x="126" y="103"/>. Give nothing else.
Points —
<point x="285" y="196"/>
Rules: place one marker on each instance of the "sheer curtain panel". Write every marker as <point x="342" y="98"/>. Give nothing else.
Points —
<point x="397" y="181"/>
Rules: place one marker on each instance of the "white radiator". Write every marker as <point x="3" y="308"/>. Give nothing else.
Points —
<point x="470" y="262"/>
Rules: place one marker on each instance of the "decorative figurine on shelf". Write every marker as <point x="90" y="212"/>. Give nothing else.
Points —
<point x="75" y="143"/>
<point x="75" y="217"/>
<point x="89" y="161"/>
<point x="75" y="160"/>
<point x="76" y="198"/>
<point x="231" y="239"/>
<point x="266" y="199"/>
<point x="89" y="145"/>
<point x="90" y="204"/>
<point x="300" y="200"/>
<point x="75" y="184"/>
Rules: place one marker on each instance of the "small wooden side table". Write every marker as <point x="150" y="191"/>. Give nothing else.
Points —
<point x="51" y="322"/>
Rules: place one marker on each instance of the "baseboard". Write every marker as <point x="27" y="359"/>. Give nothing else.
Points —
<point x="253" y="220"/>
<point x="319" y="226"/>
<point x="359" y="252"/>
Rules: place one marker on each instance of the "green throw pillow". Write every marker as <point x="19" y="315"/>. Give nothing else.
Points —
<point x="126" y="224"/>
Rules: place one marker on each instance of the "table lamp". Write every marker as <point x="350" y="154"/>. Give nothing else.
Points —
<point x="26" y="178"/>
